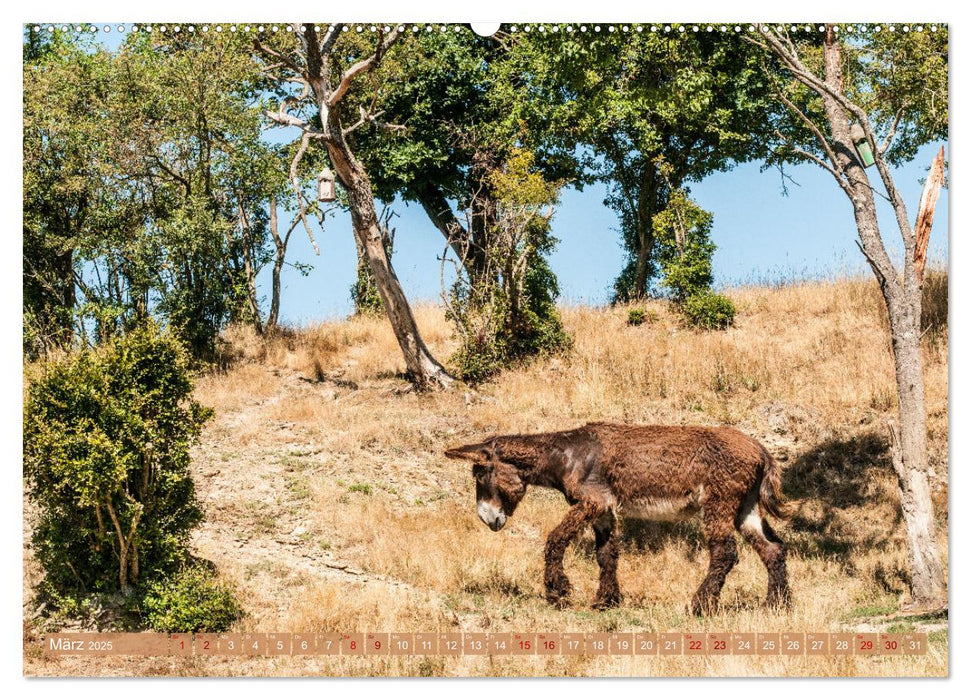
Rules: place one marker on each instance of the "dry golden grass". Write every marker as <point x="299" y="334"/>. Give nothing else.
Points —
<point x="317" y="434"/>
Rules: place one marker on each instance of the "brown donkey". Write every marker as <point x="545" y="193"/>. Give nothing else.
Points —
<point x="651" y="472"/>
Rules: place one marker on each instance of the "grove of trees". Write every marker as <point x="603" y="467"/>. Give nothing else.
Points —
<point x="162" y="177"/>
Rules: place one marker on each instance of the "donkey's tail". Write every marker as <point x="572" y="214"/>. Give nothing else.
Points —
<point x="771" y="499"/>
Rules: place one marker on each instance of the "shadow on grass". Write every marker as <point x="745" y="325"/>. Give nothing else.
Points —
<point x="840" y="499"/>
<point x="651" y="536"/>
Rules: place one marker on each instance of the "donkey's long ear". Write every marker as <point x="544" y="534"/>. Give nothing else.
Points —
<point x="480" y="451"/>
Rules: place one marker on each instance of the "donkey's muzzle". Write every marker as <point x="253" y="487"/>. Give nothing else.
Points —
<point x="491" y="516"/>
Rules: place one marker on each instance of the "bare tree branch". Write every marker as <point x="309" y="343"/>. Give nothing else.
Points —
<point x="330" y="38"/>
<point x="893" y="131"/>
<point x="368" y="118"/>
<point x="362" y="66"/>
<point x="283" y="58"/>
<point x="295" y="181"/>
<point x="834" y="169"/>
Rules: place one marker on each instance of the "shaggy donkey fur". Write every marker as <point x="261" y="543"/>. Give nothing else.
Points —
<point x="651" y="472"/>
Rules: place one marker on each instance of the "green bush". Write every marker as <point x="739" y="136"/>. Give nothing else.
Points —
<point x="684" y="246"/>
<point x="479" y="358"/>
<point x="503" y="302"/>
<point x="638" y="316"/>
<point x="364" y="292"/>
<point x="191" y="600"/>
<point x="107" y="434"/>
<point x="709" y="311"/>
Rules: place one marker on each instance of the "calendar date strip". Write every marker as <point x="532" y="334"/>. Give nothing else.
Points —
<point x="486" y="644"/>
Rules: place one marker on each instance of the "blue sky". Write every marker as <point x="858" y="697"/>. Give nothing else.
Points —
<point x="762" y="235"/>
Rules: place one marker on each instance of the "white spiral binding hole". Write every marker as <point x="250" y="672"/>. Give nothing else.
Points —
<point x="582" y="29"/>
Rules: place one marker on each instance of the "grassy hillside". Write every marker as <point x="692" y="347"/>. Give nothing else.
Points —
<point x="330" y="505"/>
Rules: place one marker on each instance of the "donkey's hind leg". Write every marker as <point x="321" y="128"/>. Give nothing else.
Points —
<point x="608" y="595"/>
<point x="723" y="555"/>
<point x="771" y="550"/>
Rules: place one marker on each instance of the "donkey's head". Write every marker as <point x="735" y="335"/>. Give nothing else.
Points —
<point x="499" y="485"/>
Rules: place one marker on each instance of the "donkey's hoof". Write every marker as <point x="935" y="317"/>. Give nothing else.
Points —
<point x="779" y="603"/>
<point x="605" y="604"/>
<point x="605" y="601"/>
<point x="702" y="608"/>
<point x="558" y="598"/>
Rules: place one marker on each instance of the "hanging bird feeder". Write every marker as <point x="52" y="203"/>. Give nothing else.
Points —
<point x="326" y="191"/>
<point x="862" y="145"/>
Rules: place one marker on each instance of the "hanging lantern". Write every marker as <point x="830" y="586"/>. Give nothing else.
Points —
<point x="325" y="186"/>
<point x="862" y="145"/>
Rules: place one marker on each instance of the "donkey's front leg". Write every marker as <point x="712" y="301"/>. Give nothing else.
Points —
<point x="557" y="584"/>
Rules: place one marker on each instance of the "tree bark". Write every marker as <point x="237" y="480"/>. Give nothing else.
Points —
<point x="458" y="238"/>
<point x="274" y="316"/>
<point x="249" y="270"/>
<point x="647" y="196"/>
<point x="281" y="252"/>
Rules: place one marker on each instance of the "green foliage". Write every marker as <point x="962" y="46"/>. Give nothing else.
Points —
<point x="684" y="246"/>
<point x="900" y="79"/>
<point x="107" y="435"/>
<point x="505" y="310"/>
<point x="479" y="357"/>
<point x="190" y="600"/>
<point x="709" y="311"/>
<point x="480" y="141"/>
<point x="638" y="316"/>
<point x="364" y="293"/>
<point x="691" y="101"/>
<point x="146" y="183"/>
<point x="62" y="79"/>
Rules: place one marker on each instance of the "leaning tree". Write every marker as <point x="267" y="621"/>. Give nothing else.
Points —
<point x="339" y="81"/>
<point x="846" y="101"/>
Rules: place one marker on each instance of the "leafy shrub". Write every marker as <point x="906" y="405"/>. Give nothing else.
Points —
<point x="107" y="434"/>
<point x="504" y="308"/>
<point x="709" y="311"/>
<point x="191" y="600"/>
<point x="684" y="246"/>
<point x="479" y="357"/>
<point x="364" y="292"/>
<point x="638" y="316"/>
<point x="677" y="263"/>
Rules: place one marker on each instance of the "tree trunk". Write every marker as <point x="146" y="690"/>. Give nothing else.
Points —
<point x="909" y="449"/>
<point x="280" y="244"/>
<point x="458" y="238"/>
<point x="902" y="298"/>
<point x="274" y="316"/>
<point x="910" y="462"/>
<point x="424" y="371"/>
<point x="252" y="299"/>
<point x="647" y="196"/>
<point x="251" y="295"/>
